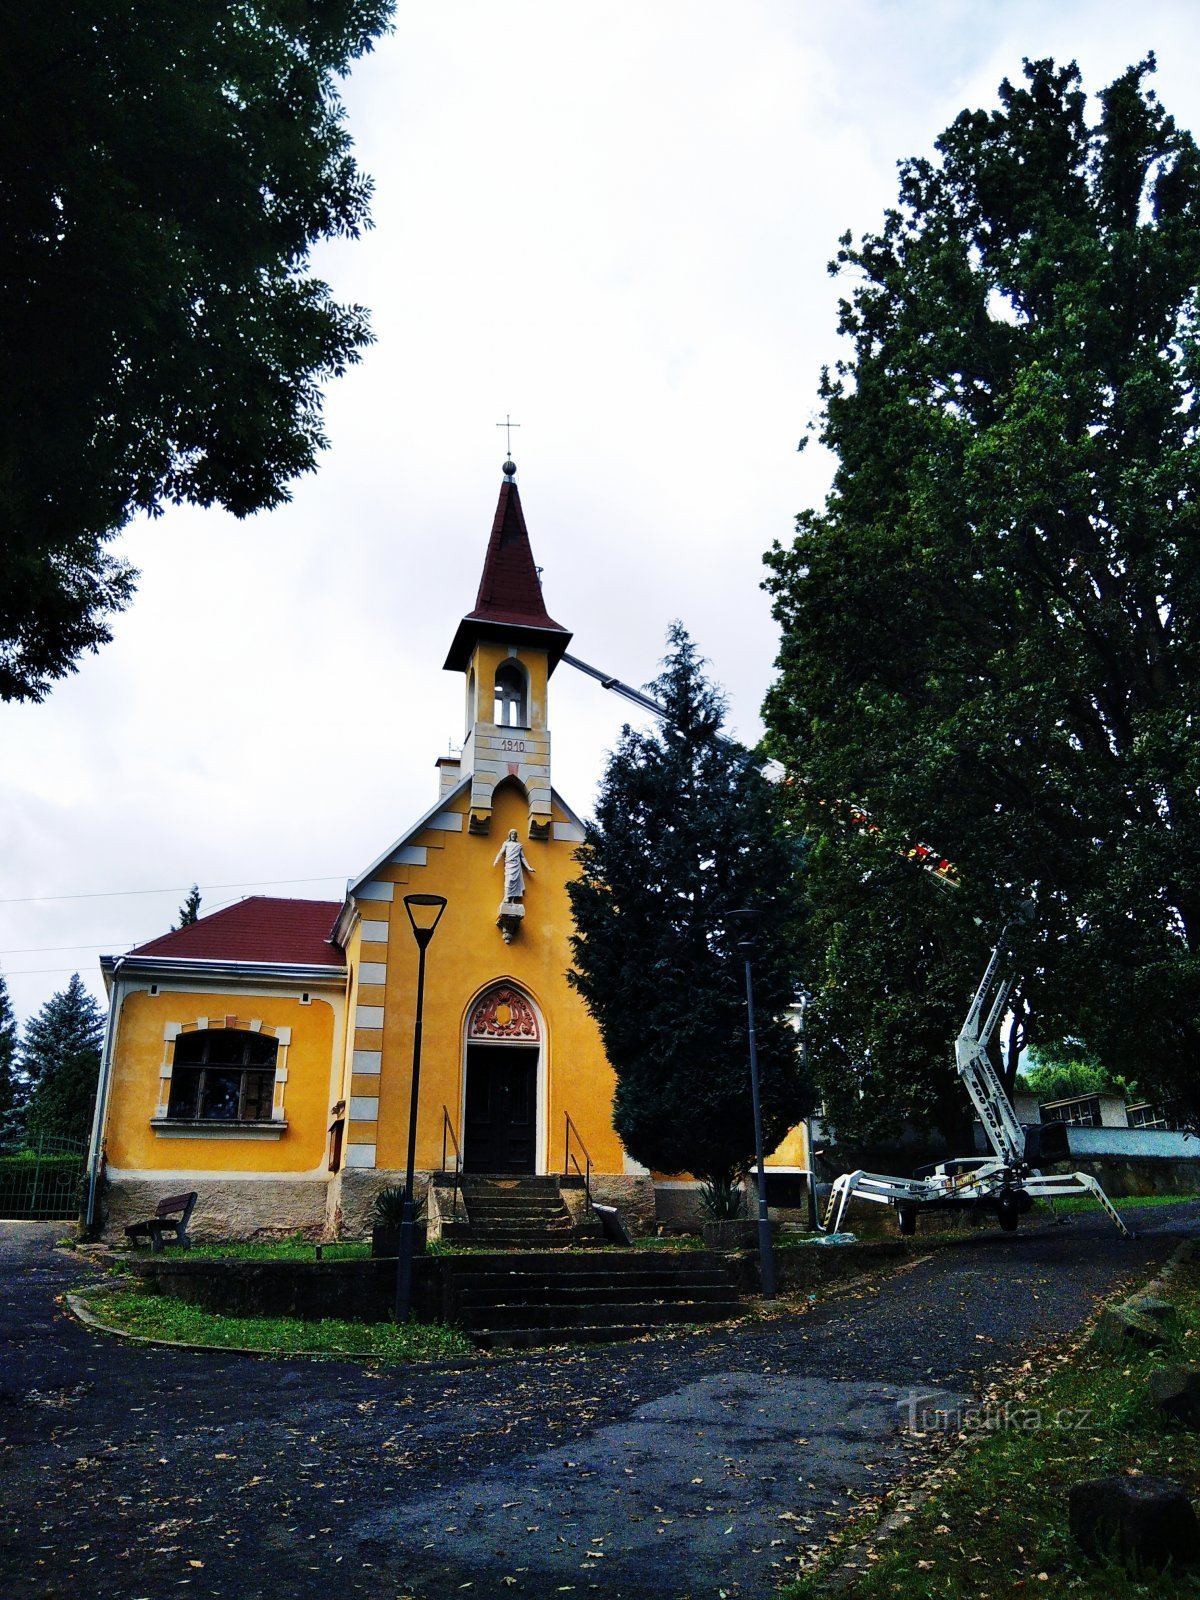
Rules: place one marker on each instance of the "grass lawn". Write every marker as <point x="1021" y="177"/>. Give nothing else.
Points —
<point x="161" y="1317"/>
<point x="294" y="1249"/>
<point x="994" y="1520"/>
<point x="1124" y="1202"/>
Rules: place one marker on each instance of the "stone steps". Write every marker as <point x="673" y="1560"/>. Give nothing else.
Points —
<point x="525" y="1212"/>
<point x="522" y="1301"/>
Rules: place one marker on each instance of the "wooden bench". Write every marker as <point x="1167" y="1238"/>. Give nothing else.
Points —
<point x="171" y="1215"/>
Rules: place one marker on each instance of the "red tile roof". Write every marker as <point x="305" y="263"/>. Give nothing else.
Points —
<point x="509" y="604"/>
<point x="259" y="928"/>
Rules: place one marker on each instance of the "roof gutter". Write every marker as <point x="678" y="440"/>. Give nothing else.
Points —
<point x="268" y="971"/>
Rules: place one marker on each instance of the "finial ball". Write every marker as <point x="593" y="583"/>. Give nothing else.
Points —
<point x="510" y="467"/>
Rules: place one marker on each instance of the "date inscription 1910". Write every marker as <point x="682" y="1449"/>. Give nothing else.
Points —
<point x="517" y="745"/>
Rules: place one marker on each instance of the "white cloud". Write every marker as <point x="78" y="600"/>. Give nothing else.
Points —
<point x="612" y="221"/>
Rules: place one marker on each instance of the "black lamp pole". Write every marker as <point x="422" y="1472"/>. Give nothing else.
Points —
<point x="745" y="922"/>
<point x="802" y="999"/>
<point x="424" y="913"/>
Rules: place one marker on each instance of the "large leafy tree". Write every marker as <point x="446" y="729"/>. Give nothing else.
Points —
<point x="164" y="172"/>
<point x="60" y="1057"/>
<point x="991" y="631"/>
<point x="685" y="832"/>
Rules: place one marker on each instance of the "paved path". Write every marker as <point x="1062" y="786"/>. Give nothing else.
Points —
<point x="669" y="1469"/>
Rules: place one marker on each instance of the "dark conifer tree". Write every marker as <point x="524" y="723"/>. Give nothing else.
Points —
<point x="12" y="1096"/>
<point x="60" y="1056"/>
<point x="189" y="911"/>
<point x="685" y="832"/>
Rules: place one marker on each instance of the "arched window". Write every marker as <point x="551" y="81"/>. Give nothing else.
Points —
<point x="223" y="1075"/>
<point x="512" y="690"/>
<point x="470" y="699"/>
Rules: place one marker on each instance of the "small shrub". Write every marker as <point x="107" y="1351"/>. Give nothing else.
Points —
<point x="723" y="1199"/>
<point x="388" y="1209"/>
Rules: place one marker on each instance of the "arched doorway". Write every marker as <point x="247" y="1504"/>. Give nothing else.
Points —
<point x="502" y="1074"/>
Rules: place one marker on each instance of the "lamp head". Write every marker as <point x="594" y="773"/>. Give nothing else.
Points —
<point x="744" y="923"/>
<point x="424" y="913"/>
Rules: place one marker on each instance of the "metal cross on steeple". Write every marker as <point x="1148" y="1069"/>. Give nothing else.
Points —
<point x="508" y="425"/>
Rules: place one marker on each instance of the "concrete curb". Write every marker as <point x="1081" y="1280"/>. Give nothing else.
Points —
<point x="76" y="1304"/>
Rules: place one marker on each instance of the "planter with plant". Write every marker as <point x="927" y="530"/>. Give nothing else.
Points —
<point x="387" y="1214"/>
<point x="723" y="1205"/>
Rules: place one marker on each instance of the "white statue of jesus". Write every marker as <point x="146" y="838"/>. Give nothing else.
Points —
<point x="515" y="866"/>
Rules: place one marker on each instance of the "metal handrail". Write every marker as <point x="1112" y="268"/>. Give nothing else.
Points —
<point x="569" y="1159"/>
<point x="448" y="1129"/>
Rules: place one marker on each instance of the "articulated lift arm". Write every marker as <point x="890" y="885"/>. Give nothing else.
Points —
<point x="1004" y="1132"/>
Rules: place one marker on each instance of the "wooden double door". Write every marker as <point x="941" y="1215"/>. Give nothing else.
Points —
<point x="500" y="1118"/>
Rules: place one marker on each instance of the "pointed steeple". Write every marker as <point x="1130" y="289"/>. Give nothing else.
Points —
<point x="509" y="607"/>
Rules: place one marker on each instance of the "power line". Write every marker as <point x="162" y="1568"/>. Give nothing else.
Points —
<point x="47" y="949"/>
<point x="206" y="888"/>
<point x="36" y="972"/>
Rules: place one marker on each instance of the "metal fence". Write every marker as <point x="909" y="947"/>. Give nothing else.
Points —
<point x="39" y="1182"/>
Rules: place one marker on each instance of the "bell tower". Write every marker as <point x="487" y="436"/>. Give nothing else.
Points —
<point x="507" y="647"/>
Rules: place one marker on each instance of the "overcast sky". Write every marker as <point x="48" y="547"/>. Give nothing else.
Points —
<point x="610" y="221"/>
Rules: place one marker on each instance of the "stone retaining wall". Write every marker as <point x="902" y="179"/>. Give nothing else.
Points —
<point x="365" y="1291"/>
<point x="632" y="1194"/>
<point x="1136" y="1175"/>
<point x="362" y="1291"/>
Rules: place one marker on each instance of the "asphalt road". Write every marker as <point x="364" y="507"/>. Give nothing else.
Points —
<point x="673" y="1468"/>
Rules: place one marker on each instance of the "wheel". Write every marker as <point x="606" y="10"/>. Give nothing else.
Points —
<point x="906" y="1220"/>
<point x="1008" y="1210"/>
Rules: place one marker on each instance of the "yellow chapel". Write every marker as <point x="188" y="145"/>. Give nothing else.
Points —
<point x="263" y="1055"/>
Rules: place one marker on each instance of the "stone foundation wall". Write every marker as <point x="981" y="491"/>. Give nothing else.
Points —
<point x="227" y="1208"/>
<point x="352" y="1195"/>
<point x="632" y="1194"/>
<point x="324" y="1206"/>
<point x="677" y="1210"/>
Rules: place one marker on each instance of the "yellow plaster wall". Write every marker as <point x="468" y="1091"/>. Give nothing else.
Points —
<point x="467" y="956"/>
<point x="133" y="1145"/>
<point x="792" y="1150"/>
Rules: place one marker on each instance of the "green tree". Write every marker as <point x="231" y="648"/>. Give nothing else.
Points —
<point x="189" y="911"/>
<point x="890" y="986"/>
<point x="685" y="832"/>
<point x="1058" y="1072"/>
<point x="60" y="1057"/>
<point x="991" y="632"/>
<point x="12" y="1095"/>
<point x="164" y="173"/>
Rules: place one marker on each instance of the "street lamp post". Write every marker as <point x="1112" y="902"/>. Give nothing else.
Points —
<point x="802" y="999"/>
<point x="424" y="913"/>
<point x="745" y="923"/>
